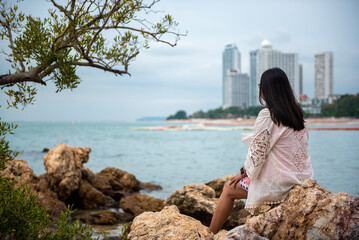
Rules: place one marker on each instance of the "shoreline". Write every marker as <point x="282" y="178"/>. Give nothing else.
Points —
<point x="250" y="122"/>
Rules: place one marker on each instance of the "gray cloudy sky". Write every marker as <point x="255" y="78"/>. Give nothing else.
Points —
<point x="188" y="77"/>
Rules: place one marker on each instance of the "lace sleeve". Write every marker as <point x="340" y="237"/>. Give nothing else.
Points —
<point x="259" y="146"/>
<point x="257" y="154"/>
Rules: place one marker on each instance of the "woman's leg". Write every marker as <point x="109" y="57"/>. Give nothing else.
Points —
<point x="225" y="205"/>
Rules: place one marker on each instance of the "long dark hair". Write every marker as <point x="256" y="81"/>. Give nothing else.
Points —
<point x="280" y="100"/>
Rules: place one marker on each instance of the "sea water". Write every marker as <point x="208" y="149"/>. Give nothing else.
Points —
<point x="173" y="159"/>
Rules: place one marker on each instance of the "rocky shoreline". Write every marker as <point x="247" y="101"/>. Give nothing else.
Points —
<point x="112" y="197"/>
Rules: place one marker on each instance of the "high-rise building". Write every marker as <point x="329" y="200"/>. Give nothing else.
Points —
<point x="236" y="87"/>
<point x="231" y="60"/>
<point x="323" y="75"/>
<point x="265" y="58"/>
<point x="253" y="78"/>
<point x="300" y="80"/>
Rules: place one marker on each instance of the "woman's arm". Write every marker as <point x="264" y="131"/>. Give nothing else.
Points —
<point x="259" y="145"/>
<point x="238" y="177"/>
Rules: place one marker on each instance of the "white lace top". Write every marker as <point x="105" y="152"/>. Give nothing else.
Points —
<point x="277" y="159"/>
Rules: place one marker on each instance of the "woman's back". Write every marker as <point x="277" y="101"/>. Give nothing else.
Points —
<point x="291" y="150"/>
<point x="285" y="161"/>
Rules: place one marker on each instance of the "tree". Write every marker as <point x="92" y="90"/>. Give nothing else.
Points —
<point x="346" y="106"/>
<point x="76" y="35"/>
<point x="50" y="50"/>
<point x="181" y="114"/>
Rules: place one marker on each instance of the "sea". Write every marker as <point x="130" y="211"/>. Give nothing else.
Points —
<point x="173" y="159"/>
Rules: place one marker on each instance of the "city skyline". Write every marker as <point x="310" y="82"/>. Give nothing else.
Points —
<point x="189" y="76"/>
<point x="240" y="92"/>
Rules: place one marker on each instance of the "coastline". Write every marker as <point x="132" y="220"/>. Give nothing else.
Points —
<point x="250" y="122"/>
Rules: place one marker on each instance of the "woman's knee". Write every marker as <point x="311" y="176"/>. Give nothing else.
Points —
<point x="231" y="191"/>
<point x="228" y="189"/>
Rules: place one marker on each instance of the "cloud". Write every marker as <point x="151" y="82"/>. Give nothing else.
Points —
<point x="281" y="35"/>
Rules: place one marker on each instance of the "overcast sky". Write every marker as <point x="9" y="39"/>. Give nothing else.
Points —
<point x="189" y="76"/>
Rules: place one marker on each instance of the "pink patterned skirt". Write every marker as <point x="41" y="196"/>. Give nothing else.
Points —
<point x="245" y="182"/>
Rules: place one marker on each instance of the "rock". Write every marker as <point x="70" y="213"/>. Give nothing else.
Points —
<point x="20" y="171"/>
<point x="149" y="187"/>
<point x="243" y="233"/>
<point x="63" y="165"/>
<point x="88" y="174"/>
<point x="127" y="181"/>
<point x="91" y="198"/>
<point x="221" y="235"/>
<point x="107" y="186"/>
<point x="139" y="203"/>
<point x="199" y="201"/>
<point x="48" y="198"/>
<point x="43" y="186"/>
<point x="105" y="217"/>
<point x="310" y="212"/>
<point x="54" y="207"/>
<point x="218" y="183"/>
<point x="238" y="216"/>
<point x="167" y="224"/>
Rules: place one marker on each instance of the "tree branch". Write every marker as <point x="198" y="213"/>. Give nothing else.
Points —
<point x="11" y="79"/>
<point x="152" y="34"/>
<point x="62" y="9"/>
<point x="12" y="47"/>
<point x="87" y="64"/>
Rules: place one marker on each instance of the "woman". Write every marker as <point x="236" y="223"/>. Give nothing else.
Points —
<point x="277" y="157"/>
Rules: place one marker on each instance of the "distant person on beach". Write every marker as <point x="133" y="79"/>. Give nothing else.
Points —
<point x="277" y="157"/>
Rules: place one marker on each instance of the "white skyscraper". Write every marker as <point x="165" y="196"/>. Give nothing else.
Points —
<point x="253" y="81"/>
<point x="265" y="58"/>
<point x="323" y="75"/>
<point x="236" y="86"/>
<point x="231" y="58"/>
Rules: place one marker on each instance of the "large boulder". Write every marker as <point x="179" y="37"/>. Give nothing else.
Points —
<point x="139" y="203"/>
<point x="221" y="235"/>
<point x="199" y="201"/>
<point x="309" y="212"/>
<point x="243" y="233"/>
<point x="103" y="183"/>
<point x="218" y="183"/>
<point x="91" y="198"/>
<point x="167" y="224"/>
<point x="20" y="171"/>
<point x="63" y="165"/>
<point x="53" y="206"/>
<point x="127" y="181"/>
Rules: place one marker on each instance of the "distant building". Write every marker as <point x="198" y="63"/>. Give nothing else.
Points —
<point x="231" y="60"/>
<point x="318" y="101"/>
<point x="312" y="110"/>
<point x="265" y="58"/>
<point x="236" y="87"/>
<point x="307" y="105"/>
<point x="253" y="81"/>
<point x="323" y="79"/>
<point x="300" y="80"/>
<point x="304" y="100"/>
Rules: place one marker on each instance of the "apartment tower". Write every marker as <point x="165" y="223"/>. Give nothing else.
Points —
<point x="323" y="79"/>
